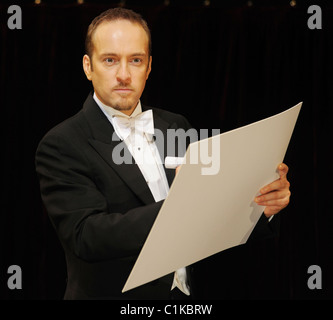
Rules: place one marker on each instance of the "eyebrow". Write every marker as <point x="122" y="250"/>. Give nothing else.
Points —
<point x="137" y="54"/>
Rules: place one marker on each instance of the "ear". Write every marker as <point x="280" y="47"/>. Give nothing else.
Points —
<point x="149" y="67"/>
<point x="87" y="66"/>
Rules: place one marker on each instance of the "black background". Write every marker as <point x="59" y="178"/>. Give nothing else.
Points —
<point x="222" y="65"/>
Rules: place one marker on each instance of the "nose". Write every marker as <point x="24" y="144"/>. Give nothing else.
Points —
<point x="123" y="73"/>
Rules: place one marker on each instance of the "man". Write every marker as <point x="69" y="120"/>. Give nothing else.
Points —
<point x="103" y="210"/>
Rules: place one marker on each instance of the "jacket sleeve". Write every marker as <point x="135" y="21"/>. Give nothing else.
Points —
<point x="79" y="211"/>
<point x="265" y="229"/>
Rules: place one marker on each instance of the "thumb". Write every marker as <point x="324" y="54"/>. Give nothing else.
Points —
<point x="283" y="170"/>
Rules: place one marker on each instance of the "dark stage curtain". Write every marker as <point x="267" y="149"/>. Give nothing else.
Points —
<point x="222" y="66"/>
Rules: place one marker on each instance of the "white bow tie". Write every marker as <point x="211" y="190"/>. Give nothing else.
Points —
<point x="143" y="122"/>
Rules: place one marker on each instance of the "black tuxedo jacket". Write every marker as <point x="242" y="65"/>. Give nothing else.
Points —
<point x="102" y="211"/>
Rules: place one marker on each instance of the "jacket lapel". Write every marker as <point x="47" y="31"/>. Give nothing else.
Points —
<point x="102" y="132"/>
<point x="101" y="140"/>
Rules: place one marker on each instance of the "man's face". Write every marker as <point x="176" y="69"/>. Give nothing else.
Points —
<point x="120" y="64"/>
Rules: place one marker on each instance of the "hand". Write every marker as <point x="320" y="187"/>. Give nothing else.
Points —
<point x="177" y="169"/>
<point x="276" y="195"/>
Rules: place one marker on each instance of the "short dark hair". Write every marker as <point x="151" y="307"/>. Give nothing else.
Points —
<point x="114" y="15"/>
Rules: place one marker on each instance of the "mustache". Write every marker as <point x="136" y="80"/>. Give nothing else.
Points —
<point x="122" y="86"/>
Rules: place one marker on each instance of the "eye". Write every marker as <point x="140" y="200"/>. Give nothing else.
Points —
<point x="109" y="61"/>
<point x="136" y="61"/>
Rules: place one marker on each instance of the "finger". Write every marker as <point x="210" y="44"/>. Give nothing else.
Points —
<point x="273" y="196"/>
<point x="281" y="203"/>
<point x="279" y="184"/>
<point x="283" y="170"/>
<point x="271" y="210"/>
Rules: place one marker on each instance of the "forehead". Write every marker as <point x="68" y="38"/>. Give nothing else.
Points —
<point x="121" y="36"/>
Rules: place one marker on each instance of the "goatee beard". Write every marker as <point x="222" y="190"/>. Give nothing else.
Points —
<point x="122" y="108"/>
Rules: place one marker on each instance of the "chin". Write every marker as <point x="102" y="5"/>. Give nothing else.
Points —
<point x="120" y="107"/>
<point x="124" y="106"/>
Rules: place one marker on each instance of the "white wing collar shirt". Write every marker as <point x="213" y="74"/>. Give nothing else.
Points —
<point x="137" y="132"/>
